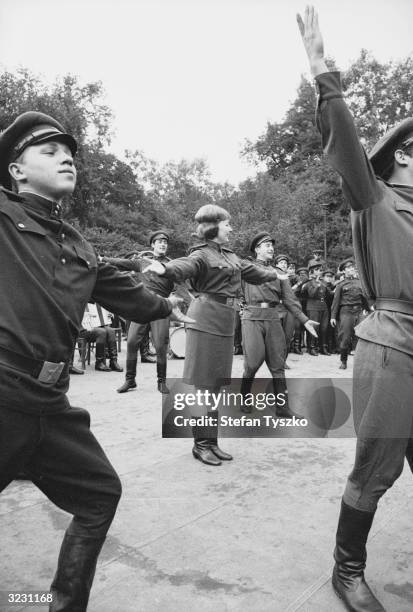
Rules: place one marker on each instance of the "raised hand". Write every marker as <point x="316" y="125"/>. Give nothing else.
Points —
<point x="312" y="40"/>
<point x="176" y="314"/>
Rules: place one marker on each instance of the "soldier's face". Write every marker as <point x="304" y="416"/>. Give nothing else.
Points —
<point x="328" y="278"/>
<point x="160" y="246"/>
<point x="47" y="169"/>
<point x="283" y="265"/>
<point x="303" y="276"/>
<point x="265" y="250"/>
<point x="349" y="271"/>
<point x="224" y="231"/>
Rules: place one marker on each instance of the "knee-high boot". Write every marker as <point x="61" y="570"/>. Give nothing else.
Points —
<point x="282" y="408"/>
<point x="218" y="452"/>
<point x="113" y="356"/>
<point x="130" y="377"/>
<point x="203" y="436"/>
<point x="350" y="555"/>
<point x="246" y="385"/>
<point x="343" y="360"/>
<point x="75" y="571"/>
<point x="161" y="372"/>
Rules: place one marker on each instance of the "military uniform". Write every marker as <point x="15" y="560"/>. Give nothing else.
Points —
<point x="317" y="295"/>
<point x="381" y="215"/>
<point x="49" y="273"/>
<point x="137" y="331"/>
<point x="347" y="308"/>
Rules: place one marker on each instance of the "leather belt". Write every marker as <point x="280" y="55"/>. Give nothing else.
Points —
<point x="221" y="299"/>
<point x="46" y="372"/>
<point x="264" y="304"/>
<point x="402" y="306"/>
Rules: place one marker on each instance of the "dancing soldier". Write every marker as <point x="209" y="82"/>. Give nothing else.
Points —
<point x="48" y="274"/>
<point x="158" y="241"/>
<point x="379" y="189"/>
<point x="215" y="274"/>
<point x="263" y="336"/>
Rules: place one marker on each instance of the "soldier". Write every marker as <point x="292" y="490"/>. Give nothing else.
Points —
<point x="301" y="279"/>
<point x="48" y="273"/>
<point x="327" y="278"/>
<point x="317" y="295"/>
<point x="282" y="263"/>
<point x="263" y="337"/>
<point x="348" y="305"/>
<point x="158" y="241"/>
<point x="379" y="189"/>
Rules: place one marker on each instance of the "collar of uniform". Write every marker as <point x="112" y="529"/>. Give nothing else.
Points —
<point x="262" y="263"/>
<point x="41" y="205"/>
<point x="218" y="247"/>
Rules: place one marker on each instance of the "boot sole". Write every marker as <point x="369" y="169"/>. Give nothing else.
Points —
<point x="126" y="390"/>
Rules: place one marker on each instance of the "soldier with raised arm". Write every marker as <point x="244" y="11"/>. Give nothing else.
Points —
<point x="379" y="189"/>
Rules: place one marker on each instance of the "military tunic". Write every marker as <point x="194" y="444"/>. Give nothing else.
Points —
<point x="215" y="274"/>
<point x="160" y="328"/>
<point x="263" y="336"/>
<point x="347" y="308"/>
<point x="48" y="274"/>
<point x="382" y="226"/>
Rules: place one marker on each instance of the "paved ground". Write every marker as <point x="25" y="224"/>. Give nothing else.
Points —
<point x="255" y="534"/>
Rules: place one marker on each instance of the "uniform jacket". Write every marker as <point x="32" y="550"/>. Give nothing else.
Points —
<point x="215" y="269"/>
<point x="348" y="293"/>
<point x="381" y="217"/>
<point x="273" y="291"/>
<point x="317" y="294"/>
<point x="48" y="274"/>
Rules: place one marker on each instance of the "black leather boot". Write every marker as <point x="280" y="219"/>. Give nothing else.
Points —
<point x="146" y="355"/>
<point x="297" y="346"/>
<point x="161" y="372"/>
<point x="218" y="452"/>
<point x="201" y="449"/>
<point x="350" y="556"/>
<point x="324" y="350"/>
<point x="101" y="366"/>
<point x="283" y="409"/>
<point x="343" y="360"/>
<point x="313" y="347"/>
<point x="246" y="385"/>
<point x="75" y="571"/>
<point x="130" y="378"/>
<point x="113" y="357"/>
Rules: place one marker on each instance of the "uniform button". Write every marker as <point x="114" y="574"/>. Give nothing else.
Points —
<point x="88" y="262"/>
<point x="22" y="225"/>
<point x="63" y="236"/>
<point x="63" y="260"/>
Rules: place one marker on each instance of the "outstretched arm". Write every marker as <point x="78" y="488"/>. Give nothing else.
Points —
<point x="339" y="136"/>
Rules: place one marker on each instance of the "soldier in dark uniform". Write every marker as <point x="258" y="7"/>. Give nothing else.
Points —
<point x="263" y="337"/>
<point x="379" y="189"/>
<point x="215" y="274"/>
<point x="317" y="294"/>
<point x="287" y="319"/>
<point x="327" y="278"/>
<point x="301" y="279"/>
<point x="160" y="329"/>
<point x="48" y="274"/>
<point x="347" y="308"/>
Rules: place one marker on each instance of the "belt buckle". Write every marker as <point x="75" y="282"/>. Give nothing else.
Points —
<point x="264" y="305"/>
<point x="50" y="372"/>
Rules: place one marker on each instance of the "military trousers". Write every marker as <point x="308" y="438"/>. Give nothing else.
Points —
<point x="383" y="420"/>
<point x="160" y="338"/>
<point x="349" y="318"/>
<point x="263" y="341"/>
<point x="64" y="460"/>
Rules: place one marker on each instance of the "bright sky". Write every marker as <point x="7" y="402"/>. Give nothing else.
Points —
<point x="193" y="78"/>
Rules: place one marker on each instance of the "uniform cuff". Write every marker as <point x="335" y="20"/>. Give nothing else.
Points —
<point x="329" y="85"/>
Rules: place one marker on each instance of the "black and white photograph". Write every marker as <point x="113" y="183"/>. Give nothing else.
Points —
<point x="206" y="317"/>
